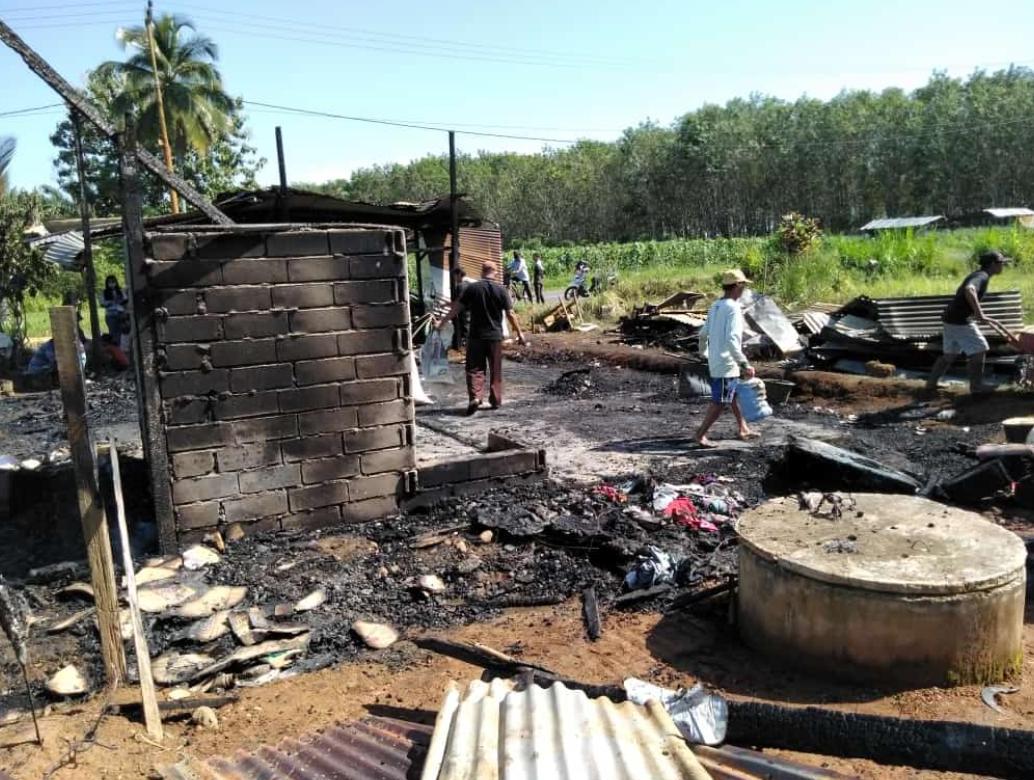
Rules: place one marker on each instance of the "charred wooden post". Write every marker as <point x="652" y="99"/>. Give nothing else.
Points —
<point x="84" y="214"/>
<point x="454" y="252"/>
<point x="91" y="509"/>
<point x="591" y="613"/>
<point x="142" y="317"/>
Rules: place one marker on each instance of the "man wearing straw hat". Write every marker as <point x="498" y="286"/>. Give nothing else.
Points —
<point x="486" y="301"/>
<point x="721" y="340"/>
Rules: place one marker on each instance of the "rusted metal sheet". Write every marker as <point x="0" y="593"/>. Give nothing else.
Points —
<point x="495" y="732"/>
<point x="921" y="316"/>
<point x="370" y="749"/>
<point x="476" y="246"/>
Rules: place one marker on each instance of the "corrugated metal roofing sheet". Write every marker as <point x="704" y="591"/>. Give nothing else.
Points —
<point x="476" y="246"/>
<point x="918" y="317"/>
<point x="1006" y="213"/>
<point x="62" y="249"/>
<point x="494" y="732"/>
<point x="899" y="223"/>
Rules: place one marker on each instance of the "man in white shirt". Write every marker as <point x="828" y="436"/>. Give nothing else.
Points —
<point x="721" y="340"/>
<point x="519" y="273"/>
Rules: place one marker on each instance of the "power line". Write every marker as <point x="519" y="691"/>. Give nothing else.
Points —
<point x="411" y="125"/>
<point x="31" y="110"/>
<point x="413" y="40"/>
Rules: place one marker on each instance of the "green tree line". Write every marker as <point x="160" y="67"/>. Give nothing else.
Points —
<point x="950" y="147"/>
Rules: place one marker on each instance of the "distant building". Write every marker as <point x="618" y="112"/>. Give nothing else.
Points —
<point x="1014" y="215"/>
<point x="902" y="223"/>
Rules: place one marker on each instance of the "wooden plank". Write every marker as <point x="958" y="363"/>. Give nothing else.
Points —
<point x="65" y="331"/>
<point x="152" y="717"/>
<point x="144" y="361"/>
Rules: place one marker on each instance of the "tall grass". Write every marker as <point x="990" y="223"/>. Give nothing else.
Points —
<point x="836" y="269"/>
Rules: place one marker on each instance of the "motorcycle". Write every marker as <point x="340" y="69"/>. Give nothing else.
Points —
<point x="596" y="284"/>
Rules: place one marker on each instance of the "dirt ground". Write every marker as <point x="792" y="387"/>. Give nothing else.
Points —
<point x="627" y="421"/>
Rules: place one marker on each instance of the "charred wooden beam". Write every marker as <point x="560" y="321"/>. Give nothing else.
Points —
<point x="591" y="613"/>
<point x="75" y="99"/>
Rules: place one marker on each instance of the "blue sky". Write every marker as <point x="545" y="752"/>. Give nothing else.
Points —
<point x="559" y="69"/>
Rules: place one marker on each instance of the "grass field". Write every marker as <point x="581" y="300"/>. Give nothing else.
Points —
<point x="835" y="270"/>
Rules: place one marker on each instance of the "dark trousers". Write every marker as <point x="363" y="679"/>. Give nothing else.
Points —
<point x="480" y="352"/>
<point x="540" y="294"/>
<point x="527" y="289"/>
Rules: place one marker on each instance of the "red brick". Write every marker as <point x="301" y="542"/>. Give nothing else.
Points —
<point x="187" y="411"/>
<point x="262" y="429"/>
<point x="370" y="392"/>
<point x="249" y="405"/>
<point x="310" y="372"/>
<point x="192" y="516"/>
<point x="317" y="518"/>
<point x="248" y="352"/>
<point x="317" y="269"/>
<point x="250" y="457"/>
<point x="388" y="460"/>
<point x="297" y="243"/>
<point x="374" y="487"/>
<point x="179" y="302"/>
<point x="190" y="329"/>
<point x="327" y="421"/>
<point x="254" y="326"/>
<point x="365" y="341"/>
<point x="226" y="299"/>
<point x="270" y="479"/>
<point x="320" y="320"/>
<point x="379" y="291"/>
<point x="260" y="378"/>
<point x="255" y="506"/>
<point x="360" y="242"/>
<point x="376" y="267"/>
<point x="303" y="296"/>
<point x="183" y="357"/>
<point x="379" y="316"/>
<point x="315" y="496"/>
<point x="307" y="347"/>
<point x="169" y="246"/>
<point x="305" y="399"/>
<point x="311" y="447"/>
<point x="330" y="468"/>
<point x="383" y="414"/>
<point x="194" y="382"/>
<point x="377" y="366"/>
<point x="193" y="464"/>
<point x="197" y="437"/>
<point x="187" y="491"/>
<point x="371" y="509"/>
<point x="224" y="246"/>
<point x="187" y="272"/>
<point x="367" y="439"/>
<point x="259" y="270"/>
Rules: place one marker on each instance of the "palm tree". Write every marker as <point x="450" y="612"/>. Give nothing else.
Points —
<point x="197" y="110"/>
<point x="6" y="153"/>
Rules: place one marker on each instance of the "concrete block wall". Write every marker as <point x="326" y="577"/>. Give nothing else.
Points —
<point x="283" y="364"/>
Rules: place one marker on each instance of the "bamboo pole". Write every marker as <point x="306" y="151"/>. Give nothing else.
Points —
<point x="152" y="717"/>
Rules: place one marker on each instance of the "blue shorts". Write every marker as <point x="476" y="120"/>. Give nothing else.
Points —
<point x="723" y="391"/>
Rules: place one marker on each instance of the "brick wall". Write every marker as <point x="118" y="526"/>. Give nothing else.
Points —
<point x="283" y="365"/>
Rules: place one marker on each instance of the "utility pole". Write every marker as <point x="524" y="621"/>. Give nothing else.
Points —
<point x="161" y="104"/>
<point x="84" y="215"/>
<point x="454" y="249"/>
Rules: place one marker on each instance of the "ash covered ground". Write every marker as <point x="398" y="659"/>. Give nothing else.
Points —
<point x="600" y="426"/>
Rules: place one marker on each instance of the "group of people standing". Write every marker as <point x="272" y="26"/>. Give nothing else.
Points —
<point x="517" y="271"/>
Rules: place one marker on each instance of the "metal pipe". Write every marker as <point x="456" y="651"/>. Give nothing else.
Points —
<point x="280" y="160"/>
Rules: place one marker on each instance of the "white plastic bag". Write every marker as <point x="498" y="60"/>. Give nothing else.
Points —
<point x="434" y="356"/>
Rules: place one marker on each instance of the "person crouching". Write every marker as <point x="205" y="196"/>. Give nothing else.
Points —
<point x="721" y="339"/>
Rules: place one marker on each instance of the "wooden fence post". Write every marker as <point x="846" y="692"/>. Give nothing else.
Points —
<point x="65" y="331"/>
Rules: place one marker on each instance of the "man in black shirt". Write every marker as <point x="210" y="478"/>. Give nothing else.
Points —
<point x="486" y="301"/>
<point x="961" y="334"/>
